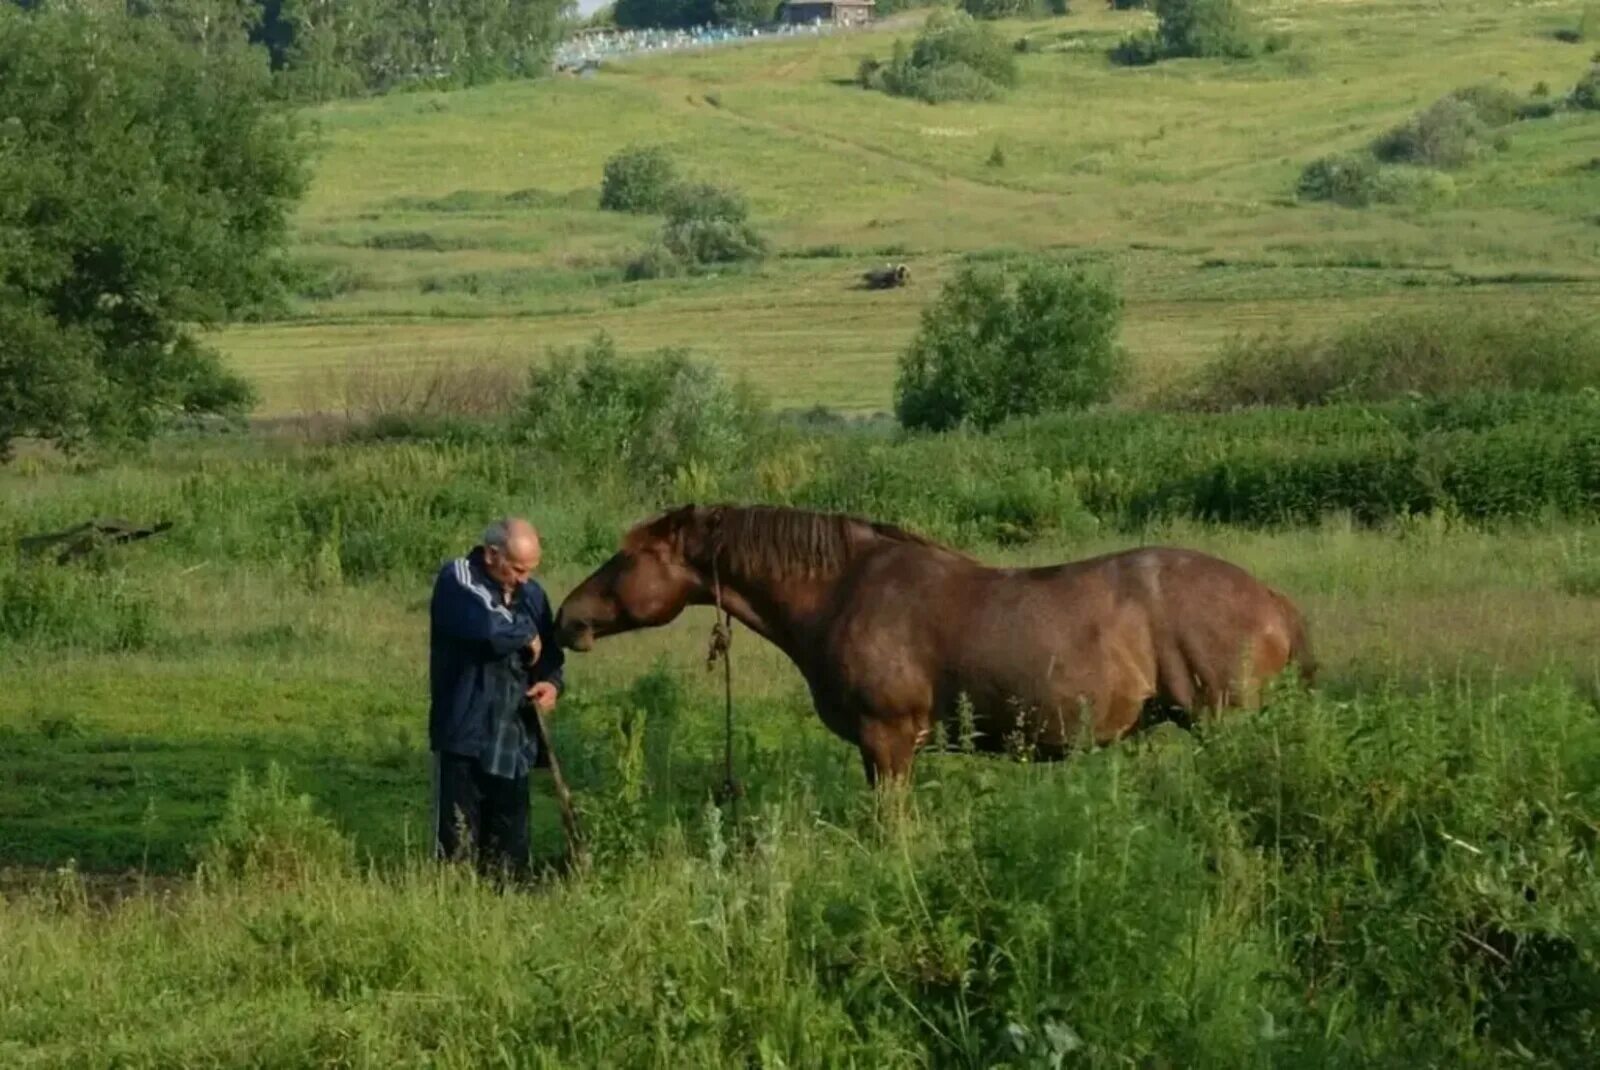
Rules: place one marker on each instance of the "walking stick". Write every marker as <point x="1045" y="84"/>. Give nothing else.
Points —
<point x="577" y="852"/>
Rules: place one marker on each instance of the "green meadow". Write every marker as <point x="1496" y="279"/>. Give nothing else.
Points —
<point x="213" y="772"/>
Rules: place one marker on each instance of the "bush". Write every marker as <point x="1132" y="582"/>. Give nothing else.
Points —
<point x="639" y="180"/>
<point x="1348" y="179"/>
<point x="705" y="201"/>
<point x="1428" y="353"/>
<point x="649" y="418"/>
<point x="1219" y="29"/>
<point x="1586" y="94"/>
<point x="1495" y="105"/>
<point x="1139" y="49"/>
<point x="1005" y="341"/>
<point x="954" y="58"/>
<point x="706" y="224"/>
<point x="655" y="261"/>
<point x="1206" y="29"/>
<point x="270" y="835"/>
<point x="1448" y="135"/>
<point x="698" y="241"/>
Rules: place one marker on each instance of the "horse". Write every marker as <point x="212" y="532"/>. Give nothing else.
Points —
<point x="891" y="629"/>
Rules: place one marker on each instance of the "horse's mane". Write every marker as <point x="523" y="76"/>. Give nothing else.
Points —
<point x="770" y="540"/>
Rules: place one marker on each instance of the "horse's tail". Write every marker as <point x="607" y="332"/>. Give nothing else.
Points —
<point x="1299" y="641"/>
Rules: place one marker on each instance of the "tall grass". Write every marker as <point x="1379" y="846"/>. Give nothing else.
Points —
<point x="1385" y="880"/>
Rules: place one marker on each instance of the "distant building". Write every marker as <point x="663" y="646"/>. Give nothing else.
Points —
<point x="837" y="12"/>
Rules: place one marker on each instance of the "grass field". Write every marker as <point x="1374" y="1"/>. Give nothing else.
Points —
<point x="465" y="226"/>
<point x="1397" y="869"/>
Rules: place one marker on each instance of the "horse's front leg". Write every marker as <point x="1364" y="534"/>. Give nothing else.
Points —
<point x="889" y="747"/>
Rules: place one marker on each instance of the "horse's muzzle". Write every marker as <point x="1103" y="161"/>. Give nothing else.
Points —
<point x="574" y="634"/>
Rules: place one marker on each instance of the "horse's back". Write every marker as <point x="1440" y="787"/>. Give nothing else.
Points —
<point x="1156" y="622"/>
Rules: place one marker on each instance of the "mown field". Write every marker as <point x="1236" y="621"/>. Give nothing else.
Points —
<point x="213" y="792"/>
<point x="466" y="227"/>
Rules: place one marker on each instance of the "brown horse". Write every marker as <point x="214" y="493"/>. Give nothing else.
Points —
<point x="889" y="629"/>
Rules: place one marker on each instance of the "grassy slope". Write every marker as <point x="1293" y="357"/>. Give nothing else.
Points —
<point x="1179" y="176"/>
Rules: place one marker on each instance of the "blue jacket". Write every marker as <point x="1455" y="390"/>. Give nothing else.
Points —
<point x="478" y="664"/>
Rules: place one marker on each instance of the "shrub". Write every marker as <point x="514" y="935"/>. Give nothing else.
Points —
<point x="697" y="242"/>
<point x="1219" y="29"/>
<point x="1348" y="179"/>
<point x="1586" y="94"/>
<point x="647" y="418"/>
<point x="1418" y="186"/>
<point x="270" y="835"/>
<point x="1432" y="353"/>
<point x="638" y="180"/>
<point x="954" y="58"/>
<point x="1005" y="341"/>
<point x="1139" y="49"/>
<point x="1447" y="135"/>
<point x="1495" y="105"/>
<point x="709" y="224"/>
<point x="706" y="201"/>
<point x="955" y="81"/>
<point x="1206" y="28"/>
<point x="655" y="261"/>
<point x="706" y="224"/>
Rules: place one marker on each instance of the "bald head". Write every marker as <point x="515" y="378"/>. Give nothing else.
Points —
<point x="511" y="551"/>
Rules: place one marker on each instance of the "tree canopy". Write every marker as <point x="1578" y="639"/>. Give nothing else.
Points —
<point x="145" y="189"/>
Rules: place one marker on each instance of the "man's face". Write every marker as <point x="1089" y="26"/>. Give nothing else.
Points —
<point x="512" y="566"/>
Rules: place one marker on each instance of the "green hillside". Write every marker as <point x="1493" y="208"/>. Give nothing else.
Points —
<point x="466" y="225"/>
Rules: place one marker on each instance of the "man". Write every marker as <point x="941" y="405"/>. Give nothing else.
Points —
<point x="492" y="653"/>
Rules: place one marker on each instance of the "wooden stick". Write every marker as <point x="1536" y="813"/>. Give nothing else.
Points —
<point x="577" y="852"/>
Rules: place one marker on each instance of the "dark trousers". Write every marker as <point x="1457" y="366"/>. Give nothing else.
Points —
<point x="481" y="816"/>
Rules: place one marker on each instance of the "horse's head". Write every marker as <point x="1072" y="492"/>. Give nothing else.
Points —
<point x="645" y="584"/>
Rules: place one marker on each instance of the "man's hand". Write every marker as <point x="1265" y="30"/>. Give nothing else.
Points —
<point x="543" y="696"/>
<point x="535" y="648"/>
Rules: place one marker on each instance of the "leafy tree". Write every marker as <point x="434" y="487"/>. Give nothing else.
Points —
<point x="145" y="186"/>
<point x="641" y="14"/>
<point x="1005" y="341"/>
<point x="744" y="12"/>
<point x="329" y="48"/>
<point x="1012" y="341"/>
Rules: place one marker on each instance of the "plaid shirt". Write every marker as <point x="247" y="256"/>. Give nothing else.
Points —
<point x="511" y="748"/>
<point x="479" y="666"/>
